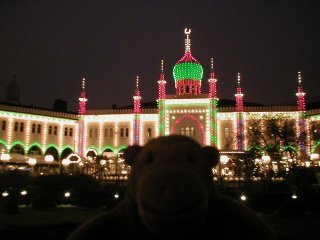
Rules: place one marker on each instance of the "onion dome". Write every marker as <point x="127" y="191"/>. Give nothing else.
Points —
<point x="188" y="72"/>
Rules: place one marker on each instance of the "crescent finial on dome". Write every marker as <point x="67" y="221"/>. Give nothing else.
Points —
<point x="187" y="31"/>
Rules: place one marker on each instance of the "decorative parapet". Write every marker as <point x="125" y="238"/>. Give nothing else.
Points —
<point x="35" y="111"/>
<point x="119" y="111"/>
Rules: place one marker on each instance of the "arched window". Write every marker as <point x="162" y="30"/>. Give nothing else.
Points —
<point x="187" y="131"/>
<point x="50" y="130"/>
<point x="55" y="130"/>
<point x="90" y="133"/>
<point x="193" y="89"/>
<point x="149" y="132"/>
<point x="192" y="131"/>
<point x="16" y="126"/>
<point x="106" y="133"/>
<point x="182" y="131"/>
<point x="65" y="131"/>
<point x="70" y="132"/>
<point x="111" y="132"/>
<point x="121" y="132"/>
<point x="39" y="128"/>
<point x="21" y="127"/>
<point x="127" y="132"/>
<point x="33" y="128"/>
<point x="4" y="125"/>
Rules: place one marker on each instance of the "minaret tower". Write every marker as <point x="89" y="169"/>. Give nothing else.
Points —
<point x="301" y="107"/>
<point x="188" y="72"/>
<point x="162" y="83"/>
<point x="83" y="99"/>
<point x="137" y="112"/>
<point x="82" y="111"/>
<point x="240" y="120"/>
<point x="213" y="98"/>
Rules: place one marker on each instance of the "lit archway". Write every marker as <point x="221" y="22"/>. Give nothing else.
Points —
<point x="198" y="125"/>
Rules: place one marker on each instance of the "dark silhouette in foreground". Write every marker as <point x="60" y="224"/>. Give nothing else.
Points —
<point x="171" y="195"/>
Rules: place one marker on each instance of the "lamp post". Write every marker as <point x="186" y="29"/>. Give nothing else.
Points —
<point x="32" y="162"/>
<point x="5" y="157"/>
<point x="48" y="159"/>
<point x="65" y="163"/>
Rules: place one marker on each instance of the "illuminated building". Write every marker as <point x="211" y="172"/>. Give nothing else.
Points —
<point x="32" y="131"/>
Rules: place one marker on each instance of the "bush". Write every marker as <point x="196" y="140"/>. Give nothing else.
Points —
<point x="44" y="201"/>
<point x="84" y="189"/>
<point x="15" y="179"/>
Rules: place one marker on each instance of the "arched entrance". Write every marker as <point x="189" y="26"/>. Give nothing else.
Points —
<point x="52" y="151"/>
<point x="190" y="126"/>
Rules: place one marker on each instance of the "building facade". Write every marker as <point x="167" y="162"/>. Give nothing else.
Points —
<point x="279" y="131"/>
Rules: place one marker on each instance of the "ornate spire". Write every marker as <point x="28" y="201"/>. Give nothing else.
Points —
<point x="83" y="84"/>
<point x="212" y="82"/>
<point x="162" y="84"/>
<point x="301" y="103"/>
<point x="137" y="92"/>
<point x="136" y="111"/>
<point x="239" y="95"/>
<point x="187" y="32"/>
<point x="240" y="120"/>
<point x="211" y="69"/>
<point x="82" y="99"/>
<point x="137" y="98"/>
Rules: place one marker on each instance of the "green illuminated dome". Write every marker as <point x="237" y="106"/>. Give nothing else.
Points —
<point x="187" y="68"/>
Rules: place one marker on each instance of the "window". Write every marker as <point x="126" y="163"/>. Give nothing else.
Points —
<point x="182" y="131"/>
<point x="4" y="125"/>
<point x="106" y="133"/>
<point x="70" y="132"/>
<point x="21" y="127"/>
<point x="55" y="130"/>
<point x="96" y="132"/>
<point x="127" y="132"/>
<point x="149" y="133"/>
<point x="16" y="126"/>
<point x="50" y="130"/>
<point x="39" y="128"/>
<point x="65" y="131"/>
<point x="226" y="132"/>
<point x="192" y="131"/>
<point x="33" y="128"/>
<point x="111" y="132"/>
<point x="188" y="131"/>
<point x="121" y="132"/>
<point x="90" y="133"/>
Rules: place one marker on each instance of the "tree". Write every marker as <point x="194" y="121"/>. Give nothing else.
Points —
<point x="272" y="135"/>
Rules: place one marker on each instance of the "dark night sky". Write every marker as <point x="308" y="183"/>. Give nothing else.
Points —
<point x="50" y="45"/>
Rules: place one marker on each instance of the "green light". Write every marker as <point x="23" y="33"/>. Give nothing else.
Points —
<point x="188" y="70"/>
